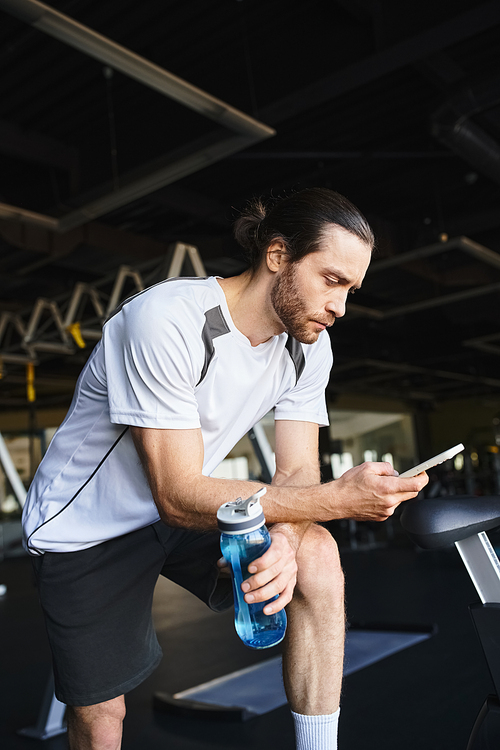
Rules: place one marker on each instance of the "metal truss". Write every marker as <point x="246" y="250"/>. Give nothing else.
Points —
<point x="64" y="326"/>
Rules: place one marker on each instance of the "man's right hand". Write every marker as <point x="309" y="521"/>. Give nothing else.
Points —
<point x="372" y="491"/>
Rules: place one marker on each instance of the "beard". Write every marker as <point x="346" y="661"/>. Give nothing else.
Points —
<point x="291" y="307"/>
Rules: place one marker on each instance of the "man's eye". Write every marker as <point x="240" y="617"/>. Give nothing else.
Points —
<point x="331" y="282"/>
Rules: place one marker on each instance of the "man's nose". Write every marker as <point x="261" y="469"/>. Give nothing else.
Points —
<point x="336" y="304"/>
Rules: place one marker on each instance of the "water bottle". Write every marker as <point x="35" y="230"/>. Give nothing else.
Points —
<point x="244" y="538"/>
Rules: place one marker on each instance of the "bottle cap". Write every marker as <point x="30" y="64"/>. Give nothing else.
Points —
<point x="241" y="516"/>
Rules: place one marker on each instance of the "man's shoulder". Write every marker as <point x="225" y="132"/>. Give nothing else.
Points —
<point x="170" y="298"/>
<point x="197" y="291"/>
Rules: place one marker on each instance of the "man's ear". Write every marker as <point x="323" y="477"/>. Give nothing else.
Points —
<point x="276" y="255"/>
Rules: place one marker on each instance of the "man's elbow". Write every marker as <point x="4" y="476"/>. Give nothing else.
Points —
<point x="175" y="520"/>
<point x="171" y="512"/>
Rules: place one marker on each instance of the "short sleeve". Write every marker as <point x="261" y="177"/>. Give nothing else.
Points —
<point x="306" y="401"/>
<point x="154" y="354"/>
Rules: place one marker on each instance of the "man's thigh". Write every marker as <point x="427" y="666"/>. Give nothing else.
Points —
<point x="191" y="562"/>
<point x="97" y="605"/>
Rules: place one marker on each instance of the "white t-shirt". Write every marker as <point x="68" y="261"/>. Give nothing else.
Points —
<point x="169" y="358"/>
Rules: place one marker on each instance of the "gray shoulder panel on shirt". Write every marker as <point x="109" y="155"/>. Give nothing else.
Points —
<point x="215" y="325"/>
<point x="296" y="352"/>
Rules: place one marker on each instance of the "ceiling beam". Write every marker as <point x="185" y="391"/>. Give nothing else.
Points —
<point x="192" y="203"/>
<point x="489" y="343"/>
<point x="246" y="130"/>
<point x="86" y="40"/>
<point x="391" y="368"/>
<point x="334" y="155"/>
<point x="478" y="251"/>
<point x="51" y="246"/>
<point x="407" y="52"/>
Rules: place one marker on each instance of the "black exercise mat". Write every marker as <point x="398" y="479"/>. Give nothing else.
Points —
<point x="258" y="689"/>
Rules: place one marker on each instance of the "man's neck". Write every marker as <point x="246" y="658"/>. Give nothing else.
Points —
<point x="248" y="299"/>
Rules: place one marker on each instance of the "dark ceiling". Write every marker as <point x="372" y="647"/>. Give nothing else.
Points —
<point x="396" y="105"/>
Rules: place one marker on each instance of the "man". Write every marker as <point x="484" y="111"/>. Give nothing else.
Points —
<point x="182" y="372"/>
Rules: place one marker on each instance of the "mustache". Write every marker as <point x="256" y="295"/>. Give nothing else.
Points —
<point x="328" y="323"/>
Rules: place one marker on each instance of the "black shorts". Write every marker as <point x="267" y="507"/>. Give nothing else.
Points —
<point x="97" y="606"/>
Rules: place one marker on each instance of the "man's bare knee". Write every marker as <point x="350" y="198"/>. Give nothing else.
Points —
<point x="319" y="568"/>
<point x="96" y="727"/>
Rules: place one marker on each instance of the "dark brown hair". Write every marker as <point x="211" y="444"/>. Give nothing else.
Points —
<point x="299" y="221"/>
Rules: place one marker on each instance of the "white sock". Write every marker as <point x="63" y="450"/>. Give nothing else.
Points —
<point x="316" y="732"/>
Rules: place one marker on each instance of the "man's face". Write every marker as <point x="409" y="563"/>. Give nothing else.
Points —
<point x="308" y="295"/>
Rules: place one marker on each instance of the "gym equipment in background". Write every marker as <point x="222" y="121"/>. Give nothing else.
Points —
<point x="464" y="520"/>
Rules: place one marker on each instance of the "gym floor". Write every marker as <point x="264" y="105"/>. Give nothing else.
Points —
<point x="425" y="696"/>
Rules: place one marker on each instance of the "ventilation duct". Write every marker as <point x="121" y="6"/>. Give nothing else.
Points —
<point x="452" y="126"/>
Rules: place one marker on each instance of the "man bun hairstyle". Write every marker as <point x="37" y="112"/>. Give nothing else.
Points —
<point x="299" y="221"/>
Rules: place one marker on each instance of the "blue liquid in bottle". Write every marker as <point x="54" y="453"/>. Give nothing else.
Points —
<point x="240" y="548"/>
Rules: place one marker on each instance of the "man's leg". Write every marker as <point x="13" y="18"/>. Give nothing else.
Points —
<point x="314" y="647"/>
<point x="97" y="727"/>
<point x="97" y="604"/>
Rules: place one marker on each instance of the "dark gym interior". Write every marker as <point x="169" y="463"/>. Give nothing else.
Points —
<point x="131" y="135"/>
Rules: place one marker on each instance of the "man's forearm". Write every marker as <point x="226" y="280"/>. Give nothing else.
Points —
<point x="186" y="498"/>
<point x="195" y="503"/>
<point x="288" y="502"/>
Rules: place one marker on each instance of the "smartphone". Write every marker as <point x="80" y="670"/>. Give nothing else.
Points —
<point x="433" y="461"/>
